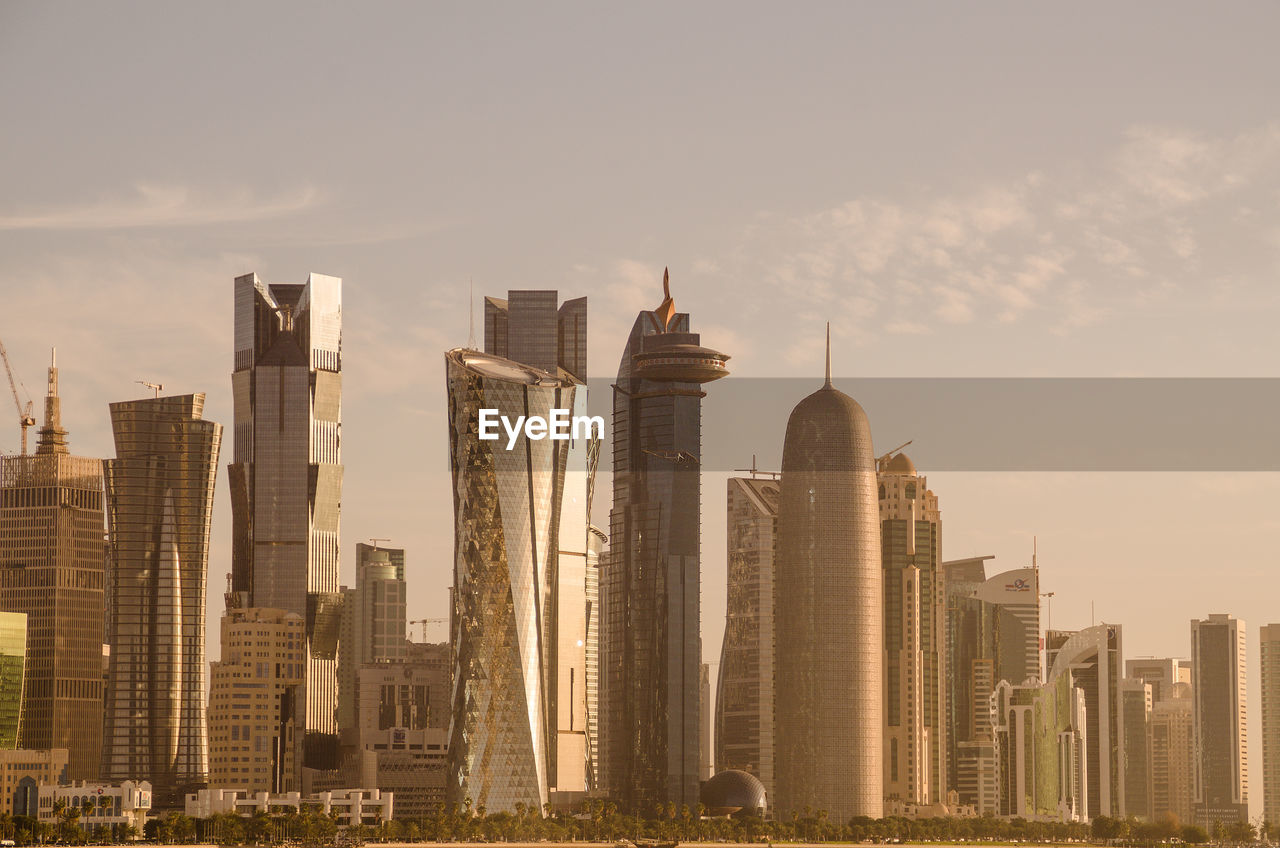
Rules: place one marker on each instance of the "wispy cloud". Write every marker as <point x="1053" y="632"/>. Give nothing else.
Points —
<point x="152" y="205"/>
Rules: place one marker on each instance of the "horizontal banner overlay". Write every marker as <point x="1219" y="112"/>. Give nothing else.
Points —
<point x="1002" y="424"/>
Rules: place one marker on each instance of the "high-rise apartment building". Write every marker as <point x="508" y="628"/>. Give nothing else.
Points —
<point x="159" y="503"/>
<point x="374" y="623"/>
<point x="1269" y="680"/>
<point x="51" y="568"/>
<point x="596" y="544"/>
<point x="915" y="743"/>
<point x="829" y="656"/>
<point x="13" y="664"/>
<point x="1135" y="716"/>
<point x="1219" y="720"/>
<point x="1173" y="755"/>
<point x="286" y="477"/>
<point x="744" y="725"/>
<point x="651" y="648"/>
<point x="1161" y="673"/>
<point x="252" y="700"/>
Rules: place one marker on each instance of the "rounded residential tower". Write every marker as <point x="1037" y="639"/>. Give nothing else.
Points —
<point x="829" y="612"/>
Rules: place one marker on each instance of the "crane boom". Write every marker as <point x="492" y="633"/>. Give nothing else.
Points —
<point x="25" y="417"/>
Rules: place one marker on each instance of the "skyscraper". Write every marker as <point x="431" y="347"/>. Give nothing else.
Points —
<point x="744" y="726"/>
<point x="1269" y="656"/>
<point x="829" y="614"/>
<point x="252" y="719"/>
<point x="13" y="662"/>
<point x="651" y="647"/>
<point x="374" y="622"/>
<point x="1135" y="715"/>
<point x="1162" y="673"/>
<point x="51" y="568"/>
<point x="1219" y="718"/>
<point x="596" y="543"/>
<point x="159" y="502"/>
<point x="286" y="477"/>
<point x="1173" y="755"/>
<point x="914" y="635"/>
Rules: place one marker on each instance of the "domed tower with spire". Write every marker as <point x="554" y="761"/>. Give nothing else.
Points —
<point x="829" y="612"/>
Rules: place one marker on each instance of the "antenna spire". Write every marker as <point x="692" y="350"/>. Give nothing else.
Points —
<point x="827" y="384"/>
<point x="471" y="313"/>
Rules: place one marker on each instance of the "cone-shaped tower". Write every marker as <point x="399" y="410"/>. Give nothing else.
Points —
<point x="829" y="612"/>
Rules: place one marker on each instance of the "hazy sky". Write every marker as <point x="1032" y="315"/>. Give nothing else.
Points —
<point x="986" y="190"/>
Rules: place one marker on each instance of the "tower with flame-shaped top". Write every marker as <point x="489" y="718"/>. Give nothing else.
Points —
<point x="829" y="612"/>
<point x="651" y="652"/>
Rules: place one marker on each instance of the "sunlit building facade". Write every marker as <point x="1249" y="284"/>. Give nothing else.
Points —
<point x="829" y="716"/>
<point x="1173" y="755"/>
<point x="286" y="477"/>
<point x="1220" y="724"/>
<point x="374" y="623"/>
<point x="51" y="569"/>
<point x="744" y="724"/>
<point x="1269" y="680"/>
<point x="1135" y="716"/>
<point x="651" y="646"/>
<point x="13" y="663"/>
<point x="159" y="503"/>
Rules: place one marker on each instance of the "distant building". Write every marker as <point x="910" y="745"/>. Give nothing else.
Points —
<point x="51" y="569"/>
<point x="1135" y="716"/>
<point x="706" y="759"/>
<point x="127" y="803"/>
<point x="597" y="541"/>
<point x="915" y="734"/>
<point x="374" y="622"/>
<point x="22" y="773"/>
<point x="1162" y="673"/>
<point x="1173" y="755"/>
<point x="829" y="723"/>
<point x="744" y="725"/>
<point x="13" y="662"/>
<point x="286" y="478"/>
<point x="253" y="697"/>
<point x="1042" y="740"/>
<point x="348" y="807"/>
<point x="1269" y="658"/>
<point x="1219" y="719"/>
<point x="159" y="504"/>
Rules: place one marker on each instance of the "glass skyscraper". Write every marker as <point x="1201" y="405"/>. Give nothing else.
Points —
<point x="13" y="661"/>
<point x="286" y="477"/>
<point x="51" y="568"/>
<point x="829" y="613"/>
<point x="1220" y="724"/>
<point x="159" y="502"/>
<point x="374" y="623"/>
<point x="651" y="650"/>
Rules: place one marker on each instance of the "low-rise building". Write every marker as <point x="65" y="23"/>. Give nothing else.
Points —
<point x="23" y="772"/>
<point x="349" y="806"/>
<point x="99" y="803"/>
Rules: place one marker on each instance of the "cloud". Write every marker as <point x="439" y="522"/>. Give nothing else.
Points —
<point x="165" y="206"/>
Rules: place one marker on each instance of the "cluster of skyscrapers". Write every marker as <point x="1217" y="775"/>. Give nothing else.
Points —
<point x="860" y="673"/>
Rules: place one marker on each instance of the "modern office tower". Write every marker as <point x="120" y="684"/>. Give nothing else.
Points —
<point x="706" y="760"/>
<point x="596" y="543"/>
<point x="1135" y="715"/>
<point x="992" y="635"/>
<point x="1173" y="755"/>
<point x="650" y="641"/>
<point x="159" y="503"/>
<point x="252" y="700"/>
<point x="13" y="663"/>
<point x="1092" y="657"/>
<point x="530" y="327"/>
<point x="51" y="569"/>
<point x="744" y="697"/>
<point x="402" y="735"/>
<point x="1161" y="673"/>
<point x="829" y="716"/>
<point x="1219" y="720"/>
<point x="374" y="622"/>
<point x="286" y="477"/>
<point x="520" y="537"/>
<point x="1269" y="656"/>
<point x="1042" y="743"/>
<point x="915" y="745"/>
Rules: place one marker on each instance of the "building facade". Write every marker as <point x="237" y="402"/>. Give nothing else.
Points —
<point x="253" y="698"/>
<point x="1269" y="680"/>
<point x="374" y="622"/>
<point x="22" y="773"/>
<point x="51" y="569"/>
<point x="829" y="727"/>
<point x="159" y="503"/>
<point x="1220" y="724"/>
<point x="744" y="724"/>
<point x="286" y="478"/>
<point x="651" y="647"/>
<point x="127" y="803"/>
<point x="13" y="664"/>
<point x="1160" y="673"/>
<point x="1135" y="715"/>
<point x="1173" y="755"/>
<point x="915" y="734"/>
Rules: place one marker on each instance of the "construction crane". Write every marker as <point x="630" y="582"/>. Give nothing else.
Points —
<point x="425" y="621"/>
<point x="25" y="417"/>
<point x="884" y="458"/>
<point x="155" y="387"/>
<point x="376" y="540"/>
